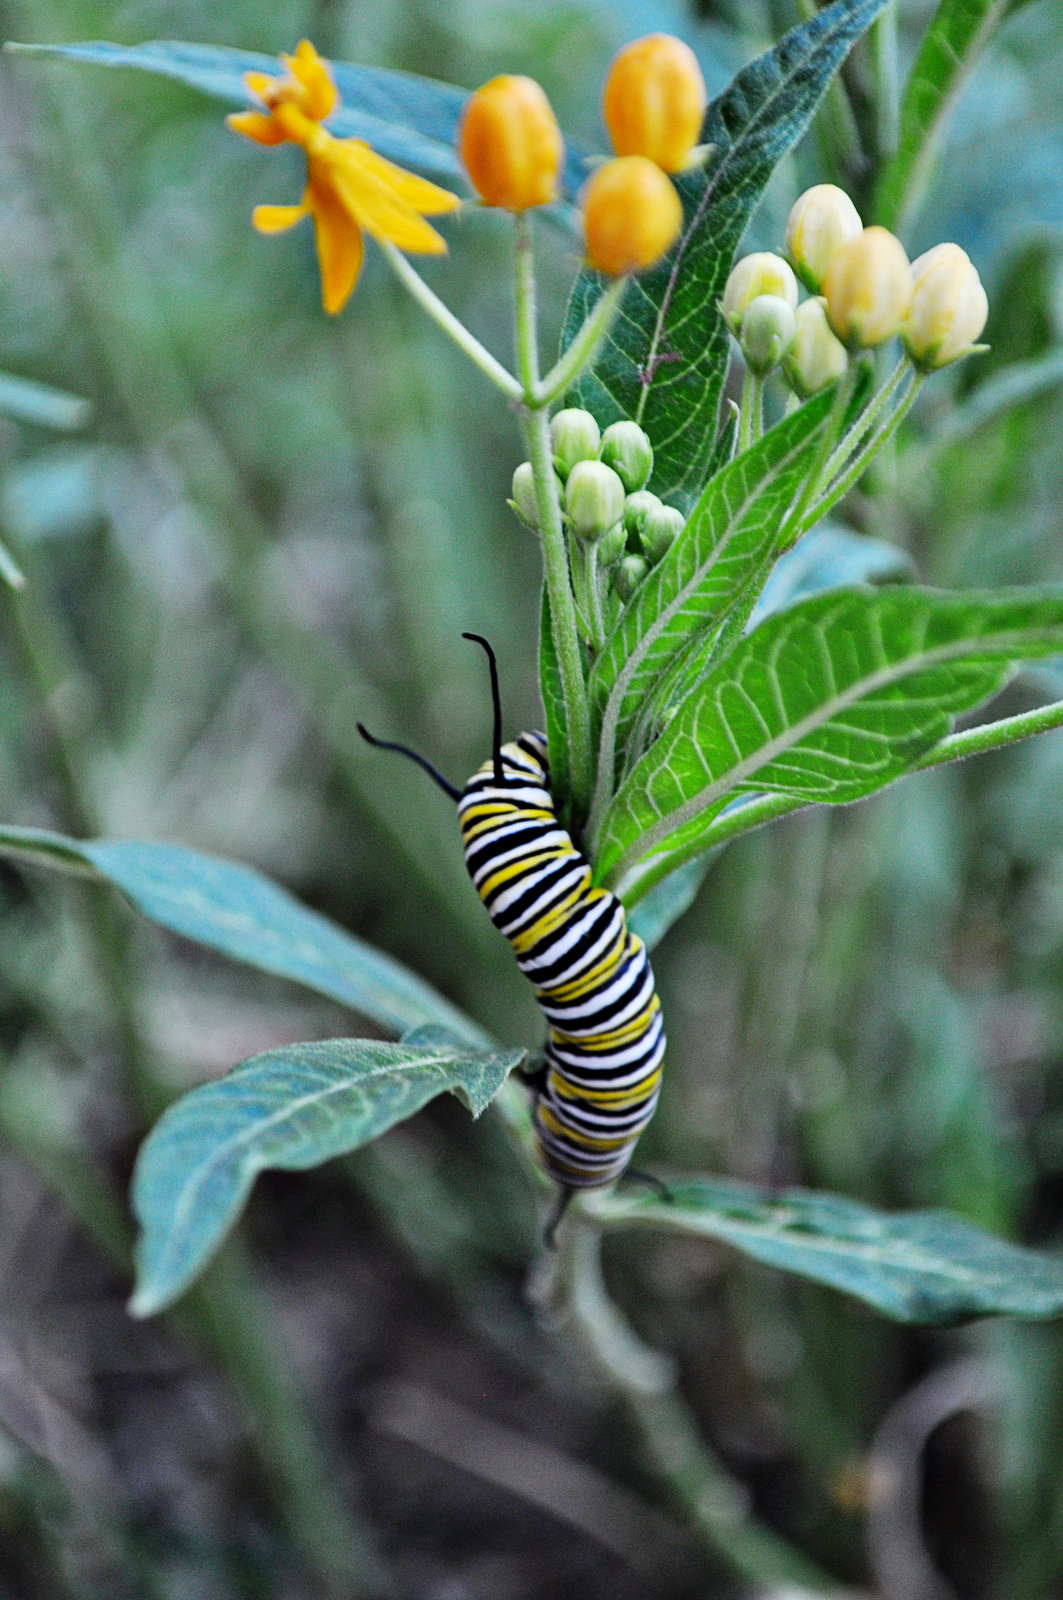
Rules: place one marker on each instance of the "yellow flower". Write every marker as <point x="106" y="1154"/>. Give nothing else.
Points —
<point x="349" y="188"/>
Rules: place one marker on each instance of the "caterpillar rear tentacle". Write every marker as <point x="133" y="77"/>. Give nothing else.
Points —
<point x="593" y="981"/>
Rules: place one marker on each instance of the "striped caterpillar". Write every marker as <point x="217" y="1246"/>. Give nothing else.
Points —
<point x="605" y="1038"/>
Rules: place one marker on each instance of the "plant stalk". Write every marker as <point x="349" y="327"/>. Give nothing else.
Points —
<point x="445" y="319"/>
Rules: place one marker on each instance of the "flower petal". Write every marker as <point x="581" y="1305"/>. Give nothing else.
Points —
<point x="428" y="198"/>
<point x="258" y="126"/>
<point x="319" y="91"/>
<point x="339" y="246"/>
<point x="371" y="201"/>
<point x="276" y="219"/>
<point x="259" y="84"/>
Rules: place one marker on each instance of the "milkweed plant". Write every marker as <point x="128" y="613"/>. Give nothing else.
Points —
<point x="705" y="411"/>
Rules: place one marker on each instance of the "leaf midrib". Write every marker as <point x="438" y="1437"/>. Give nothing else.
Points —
<point x="221" y="1154"/>
<point x="672" y="821"/>
<point x="633" y="663"/>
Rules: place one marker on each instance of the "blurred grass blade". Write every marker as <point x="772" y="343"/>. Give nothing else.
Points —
<point x="1014" y="386"/>
<point x="407" y="118"/>
<point x="29" y="401"/>
<point x="826" y="701"/>
<point x="957" y="36"/>
<point x="291" y="1108"/>
<point x="664" y="363"/>
<point x="917" y="1266"/>
<point x="10" y="573"/>
<point x="238" y="912"/>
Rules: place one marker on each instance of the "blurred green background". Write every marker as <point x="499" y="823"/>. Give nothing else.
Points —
<point x="271" y="525"/>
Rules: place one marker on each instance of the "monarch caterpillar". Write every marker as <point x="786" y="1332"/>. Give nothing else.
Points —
<point x="605" y="1041"/>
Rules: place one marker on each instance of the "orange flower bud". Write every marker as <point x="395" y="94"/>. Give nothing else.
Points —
<point x="867" y="287"/>
<point x="655" y="100"/>
<point x="510" y="144"/>
<point x="631" y="215"/>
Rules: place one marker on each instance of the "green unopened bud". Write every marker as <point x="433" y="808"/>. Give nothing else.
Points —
<point x="611" y="546"/>
<point x="636" y="509"/>
<point x="948" y="310"/>
<point x="627" y="450"/>
<point x="760" y="273"/>
<point x="575" y="436"/>
<point x="816" y="357"/>
<point x="821" y="221"/>
<point x="524" y="501"/>
<point x="594" y="499"/>
<point x="659" y="531"/>
<point x="768" y="329"/>
<point x="628" y="575"/>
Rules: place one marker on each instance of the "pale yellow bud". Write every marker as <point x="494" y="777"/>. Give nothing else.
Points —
<point x="948" y="310"/>
<point x="816" y="357"/>
<point x="760" y="273"/>
<point x="821" y="221"/>
<point x="868" y="287"/>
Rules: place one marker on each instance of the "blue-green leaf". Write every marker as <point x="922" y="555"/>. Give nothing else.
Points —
<point x="29" y="401"/>
<point x="238" y="912"/>
<point x="921" y="1266"/>
<point x="409" y="119"/>
<point x="291" y="1108"/>
<point x="664" y="362"/>
<point x="827" y="701"/>
<point x="959" y="33"/>
<point x="830" y="557"/>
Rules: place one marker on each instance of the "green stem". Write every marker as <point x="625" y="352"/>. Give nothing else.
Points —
<point x="644" y="1382"/>
<point x="993" y="735"/>
<point x="867" y="419"/>
<point x="831" y="428"/>
<point x="536" y="430"/>
<point x="751" y="416"/>
<point x="855" y="471"/>
<point x="444" y="318"/>
<point x="581" y="351"/>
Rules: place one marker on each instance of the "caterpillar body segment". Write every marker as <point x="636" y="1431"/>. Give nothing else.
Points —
<point x="592" y="976"/>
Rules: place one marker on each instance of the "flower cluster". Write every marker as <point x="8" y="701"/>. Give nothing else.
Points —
<point x="863" y="291"/>
<point x="653" y="104"/>
<point x="617" y="529"/>
<point x="349" y="188"/>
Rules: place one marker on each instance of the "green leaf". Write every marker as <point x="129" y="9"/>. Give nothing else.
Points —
<point x="921" y="1266"/>
<point x="408" y="119"/>
<point x="1014" y="386"/>
<point x="236" y="911"/>
<point x="665" y="360"/>
<point x="553" y="697"/>
<point x="291" y="1108"/>
<point x="728" y="538"/>
<point x="827" y="702"/>
<point x="957" y="36"/>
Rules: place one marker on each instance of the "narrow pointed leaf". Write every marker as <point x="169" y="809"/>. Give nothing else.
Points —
<point x="729" y="536"/>
<point x="959" y="33"/>
<point x="826" y="702"/>
<point x="46" y="407"/>
<point x="920" y="1266"/>
<point x="665" y="360"/>
<point x="238" y="912"/>
<point x="291" y="1108"/>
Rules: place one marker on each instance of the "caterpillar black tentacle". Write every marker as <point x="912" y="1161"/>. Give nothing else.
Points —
<point x="592" y="976"/>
